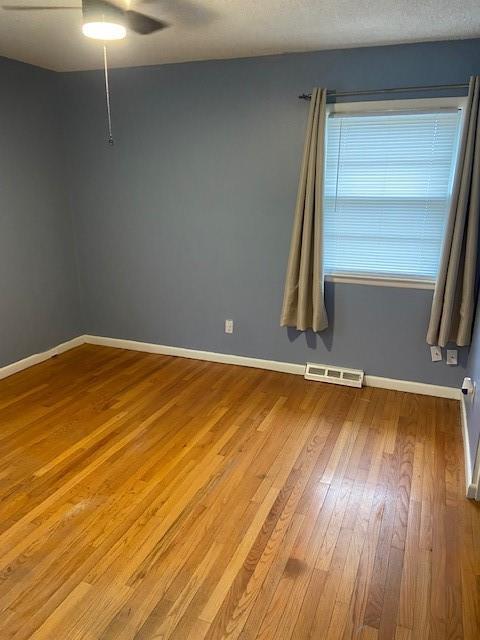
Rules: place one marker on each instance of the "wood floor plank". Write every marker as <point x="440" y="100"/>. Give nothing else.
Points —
<point x="146" y="497"/>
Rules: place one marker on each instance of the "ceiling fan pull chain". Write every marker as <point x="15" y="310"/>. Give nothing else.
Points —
<point x="107" y="95"/>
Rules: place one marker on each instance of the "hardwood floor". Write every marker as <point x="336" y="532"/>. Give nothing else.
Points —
<point x="147" y="497"/>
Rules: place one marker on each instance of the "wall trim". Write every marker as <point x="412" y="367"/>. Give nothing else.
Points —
<point x="476" y="476"/>
<point x="30" y="361"/>
<point x="272" y="365"/>
<point x="471" y="487"/>
<point x="408" y="386"/>
<point x="472" y="472"/>
<point x="195" y="354"/>
<point x="379" y="281"/>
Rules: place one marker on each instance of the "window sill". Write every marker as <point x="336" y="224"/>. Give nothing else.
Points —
<point x="380" y="281"/>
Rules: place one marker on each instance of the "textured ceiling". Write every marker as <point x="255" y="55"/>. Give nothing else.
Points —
<point x="210" y="29"/>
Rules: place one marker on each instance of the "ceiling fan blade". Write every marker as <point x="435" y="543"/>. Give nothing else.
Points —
<point x="142" y="24"/>
<point x="189" y="12"/>
<point x="21" y="7"/>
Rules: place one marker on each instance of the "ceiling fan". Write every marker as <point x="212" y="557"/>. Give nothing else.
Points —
<point x="104" y="20"/>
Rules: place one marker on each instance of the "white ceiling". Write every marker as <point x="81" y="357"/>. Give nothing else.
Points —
<point x="211" y="29"/>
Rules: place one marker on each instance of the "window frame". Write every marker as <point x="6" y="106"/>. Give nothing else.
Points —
<point x="380" y="107"/>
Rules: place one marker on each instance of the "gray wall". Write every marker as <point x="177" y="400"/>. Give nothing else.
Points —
<point x="39" y="304"/>
<point x="473" y="405"/>
<point x="186" y="220"/>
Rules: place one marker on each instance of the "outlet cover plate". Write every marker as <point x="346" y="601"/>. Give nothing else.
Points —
<point x="452" y="357"/>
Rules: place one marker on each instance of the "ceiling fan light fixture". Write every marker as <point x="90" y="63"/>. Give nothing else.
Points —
<point x="103" y="30"/>
<point x="103" y="20"/>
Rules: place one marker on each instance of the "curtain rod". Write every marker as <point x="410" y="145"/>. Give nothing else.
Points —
<point x="371" y="92"/>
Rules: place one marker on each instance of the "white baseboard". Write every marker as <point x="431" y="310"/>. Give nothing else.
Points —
<point x="15" y="367"/>
<point x="471" y="488"/>
<point x="195" y="354"/>
<point x="225" y="358"/>
<point x="272" y="365"/>
<point x="410" y="386"/>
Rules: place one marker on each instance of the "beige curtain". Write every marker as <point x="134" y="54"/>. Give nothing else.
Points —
<point x="303" y="301"/>
<point x="453" y="304"/>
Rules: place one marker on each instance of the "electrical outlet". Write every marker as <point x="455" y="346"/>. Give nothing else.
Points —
<point x="228" y="326"/>
<point x="452" y="357"/>
<point x="436" y="353"/>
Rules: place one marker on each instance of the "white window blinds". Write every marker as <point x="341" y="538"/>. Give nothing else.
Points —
<point x="388" y="180"/>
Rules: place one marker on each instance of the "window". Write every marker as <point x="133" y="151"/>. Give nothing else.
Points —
<point x="388" y="182"/>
